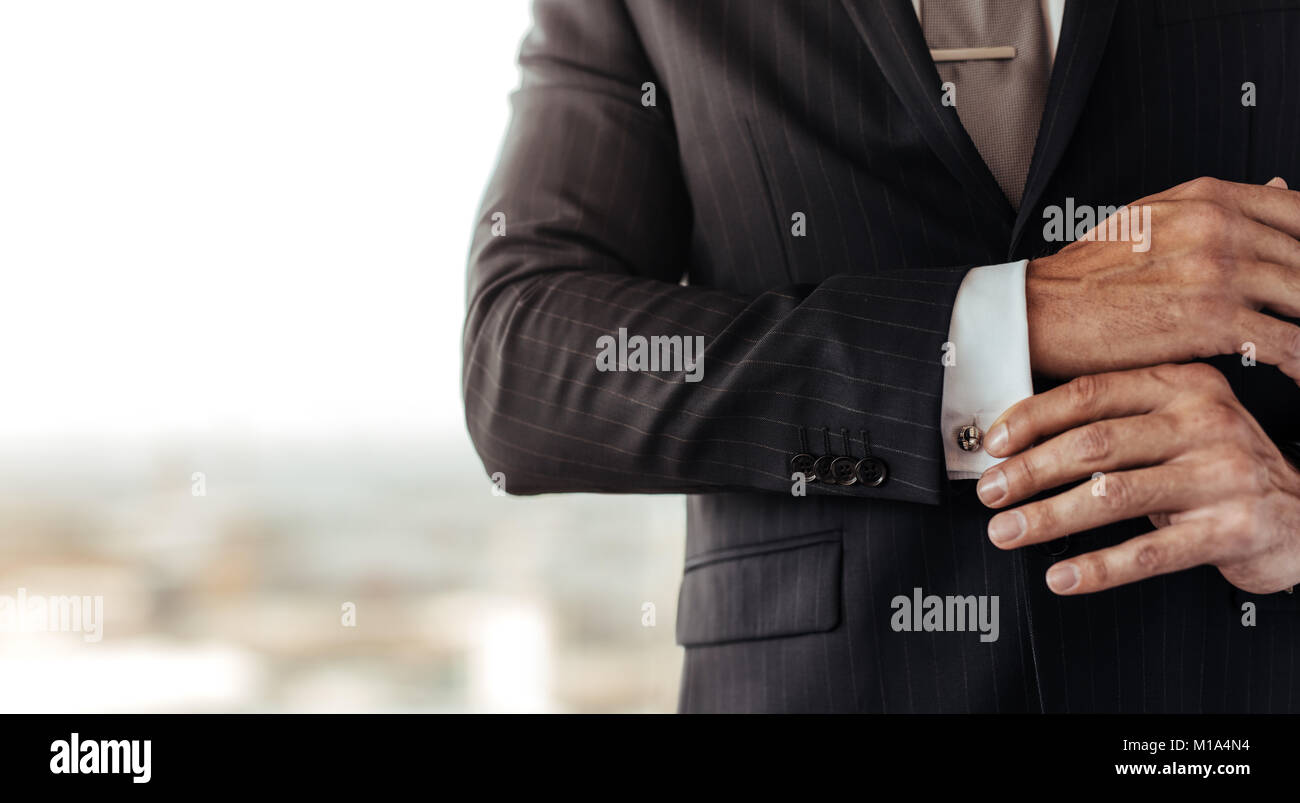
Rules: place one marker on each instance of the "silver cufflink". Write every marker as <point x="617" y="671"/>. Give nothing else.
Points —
<point x="969" y="438"/>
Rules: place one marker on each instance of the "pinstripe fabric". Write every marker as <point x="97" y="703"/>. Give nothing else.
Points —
<point x="676" y="219"/>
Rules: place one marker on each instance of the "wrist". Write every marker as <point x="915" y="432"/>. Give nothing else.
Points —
<point x="1051" y="307"/>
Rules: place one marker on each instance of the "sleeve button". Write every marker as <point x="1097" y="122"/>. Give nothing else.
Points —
<point x="822" y="467"/>
<point x="842" y="471"/>
<point x="871" y="471"/>
<point x="802" y="463"/>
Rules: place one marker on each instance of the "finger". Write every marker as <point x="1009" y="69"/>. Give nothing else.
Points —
<point x="1171" y="549"/>
<point x="1159" y="520"/>
<point x="1113" y="497"/>
<point x="1077" y="402"/>
<point x="1266" y="243"/>
<point x="1271" y="285"/>
<point x="1108" y="445"/>
<point x="1268" y="203"/>
<point x="1276" y="342"/>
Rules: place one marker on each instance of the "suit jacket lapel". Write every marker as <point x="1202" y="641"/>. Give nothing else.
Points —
<point x="1084" y="32"/>
<point x="894" y="36"/>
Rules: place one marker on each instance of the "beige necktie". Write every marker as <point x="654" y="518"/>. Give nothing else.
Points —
<point x="999" y="100"/>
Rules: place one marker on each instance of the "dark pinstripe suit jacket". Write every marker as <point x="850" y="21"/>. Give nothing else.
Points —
<point x="831" y="108"/>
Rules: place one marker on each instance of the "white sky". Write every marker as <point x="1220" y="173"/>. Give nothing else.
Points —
<point x="242" y="215"/>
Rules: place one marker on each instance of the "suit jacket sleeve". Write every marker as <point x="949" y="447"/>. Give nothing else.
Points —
<point x="593" y="234"/>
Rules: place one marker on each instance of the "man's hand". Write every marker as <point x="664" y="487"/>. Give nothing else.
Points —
<point x="1172" y="443"/>
<point x="1218" y="253"/>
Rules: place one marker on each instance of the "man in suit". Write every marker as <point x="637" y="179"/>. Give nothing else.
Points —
<point x="867" y="212"/>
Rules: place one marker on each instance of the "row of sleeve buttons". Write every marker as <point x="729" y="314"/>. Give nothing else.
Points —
<point x="839" y="469"/>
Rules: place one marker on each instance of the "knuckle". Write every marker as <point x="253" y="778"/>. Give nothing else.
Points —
<point x="1084" y="391"/>
<point x="1169" y="373"/>
<point x="1041" y="519"/>
<point x="1204" y="187"/>
<point x="1092" y="443"/>
<point x="1151" y="557"/>
<point x="1207" y="221"/>
<point x="1216" y="419"/>
<point x="1119" y="492"/>
<point x="1021" y="474"/>
<point x="1201" y="375"/>
<point x="1290" y="345"/>
<point x="1236" y="522"/>
<point x="1220" y="269"/>
<point x="1097" y="570"/>
<point x="1203" y="384"/>
<point x="1240" y="469"/>
<point x="1165" y="213"/>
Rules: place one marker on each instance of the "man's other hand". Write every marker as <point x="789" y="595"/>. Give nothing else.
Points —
<point x="1169" y="442"/>
<point x="1217" y="253"/>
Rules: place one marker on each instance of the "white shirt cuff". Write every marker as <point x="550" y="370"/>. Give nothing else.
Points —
<point x="986" y="360"/>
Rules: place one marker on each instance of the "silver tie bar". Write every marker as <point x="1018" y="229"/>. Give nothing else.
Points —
<point x="973" y="53"/>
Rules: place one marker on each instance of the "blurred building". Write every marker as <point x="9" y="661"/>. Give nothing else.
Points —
<point x="236" y="599"/>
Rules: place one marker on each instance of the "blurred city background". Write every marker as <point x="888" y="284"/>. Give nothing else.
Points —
<point x="232" y="247"/>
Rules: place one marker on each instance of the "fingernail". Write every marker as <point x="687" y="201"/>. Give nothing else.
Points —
<point x="992" y="487"/>
<point x="1277" y="181"/>
<point x="996" y="441"/>
<point x="1062" y="577"/>
<point x="1007" y="526"/>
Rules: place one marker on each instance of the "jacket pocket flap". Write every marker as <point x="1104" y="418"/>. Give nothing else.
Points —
<point x="778" y="588"/>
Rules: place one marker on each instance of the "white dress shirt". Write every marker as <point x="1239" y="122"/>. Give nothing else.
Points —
<point x="988" y="363"/>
